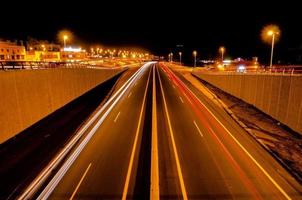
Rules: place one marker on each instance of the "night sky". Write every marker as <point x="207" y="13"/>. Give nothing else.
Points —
<point x="159" y="26"/>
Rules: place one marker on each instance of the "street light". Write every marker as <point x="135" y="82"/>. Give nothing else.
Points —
<point x="272" y="34"/>
<point x="180" y="53"/>
<point x="171" y="57"/>
<point x="222" y="50"/>
<point x="65" y="37"/>
<point x="194" y="54"/>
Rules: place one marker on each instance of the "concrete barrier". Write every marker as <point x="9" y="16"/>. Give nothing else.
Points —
<point x="277" y="95"/>
<point x="27" y="96"/>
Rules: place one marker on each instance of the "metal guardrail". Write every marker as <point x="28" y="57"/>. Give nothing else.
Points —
<point x="41" y="65"/>
<point x="263" y="71"/>
<point x="23" y="65"/>
<point x="286" y="70"/>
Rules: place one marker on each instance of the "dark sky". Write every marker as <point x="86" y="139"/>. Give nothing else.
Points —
<point x="160" y="25"/>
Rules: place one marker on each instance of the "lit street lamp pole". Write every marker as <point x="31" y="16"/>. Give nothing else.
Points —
<point x="222" y="50"/>
<point x="180" y="53"/>
<point x="65" y="37"/>
<point x="272" y="33"/>
<point x="170" y="57"/>
<point x="194" y="54"/>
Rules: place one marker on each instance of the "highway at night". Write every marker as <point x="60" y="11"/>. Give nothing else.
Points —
<point x="158" y="137"/>
<point x="154" y="100"/>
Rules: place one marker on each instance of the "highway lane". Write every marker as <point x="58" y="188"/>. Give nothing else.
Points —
<point x="170" y="187"/>
<point x="102" y="169"/>
<point x="215" y="163"/>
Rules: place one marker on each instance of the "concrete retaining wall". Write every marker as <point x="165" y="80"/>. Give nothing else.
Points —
<point x="279" y="96"/>
<point x="27" y="96"/>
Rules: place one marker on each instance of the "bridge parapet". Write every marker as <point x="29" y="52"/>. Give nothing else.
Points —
<point x="27" y="96"/>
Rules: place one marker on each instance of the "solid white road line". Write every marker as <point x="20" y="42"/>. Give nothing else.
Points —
<point x="198" y="128"/>
<point x="117" y="116"/>
<point x="129" y="94"/>
<point x="59" y="175"/>
<point x="181" y="99"/>
<point x="242" y="147"/>
<point x="41" y="178"/>
<point x="180" y="176"/>
<point x="78" y="186"/>
<point x="127" y="181"/>
<point x="154" y="186"/>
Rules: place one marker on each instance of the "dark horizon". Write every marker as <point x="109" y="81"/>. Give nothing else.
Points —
<point x="159" y="27"/>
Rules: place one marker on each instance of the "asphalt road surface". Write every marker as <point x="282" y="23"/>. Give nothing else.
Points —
<point x="159" y="138"/>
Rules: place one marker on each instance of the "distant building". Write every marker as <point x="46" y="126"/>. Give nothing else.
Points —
<point x="73" y="54"/>
<point x="47" y="56"/>
<point x="39" y="51"/>
<point x="42" y="51"/>
<point x="43" y="46"/>
<point x="238" y="65"/>
<point x="11" y="51"/>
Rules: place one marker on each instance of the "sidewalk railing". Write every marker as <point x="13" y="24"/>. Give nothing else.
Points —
<point x="41" y="65"/>
<point x="280" y="70"/>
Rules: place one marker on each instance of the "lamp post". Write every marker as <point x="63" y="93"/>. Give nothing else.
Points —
<point x="194" y="54"/>
<point x="272" y="34"/>
<point x="65" y="37"/>
<point x="222" y="50"/>
<point x="180" y="54"/>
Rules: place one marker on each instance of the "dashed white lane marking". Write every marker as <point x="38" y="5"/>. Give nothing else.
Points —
<point x="117" y="116"/>
<point x="198" y="128"/>
<point x="129" y="94"/>
<point x="182" y="101"/>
